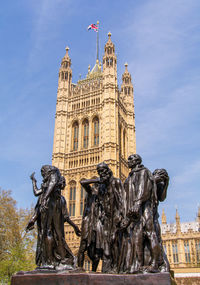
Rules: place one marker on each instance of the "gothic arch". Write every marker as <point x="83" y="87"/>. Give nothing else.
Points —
<point x="72" y="197"/>
<point x="120" y="137"/>
<point x="76" y="119"/>
<point x="82" y="198"/>
<point x="125" y="143"/>
<point x="95" y="130"/>
<point x="85" y="133"/>
<point x="95" y="114"/>
<point x="75" y="135"/>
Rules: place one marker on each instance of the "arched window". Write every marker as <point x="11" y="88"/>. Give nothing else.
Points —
<point x="124" y="143"/>
<point x="197" y="245"/>
<point x="120" y="139"/>
<point x="175" y="252"/>
<point x="72" y="199"/>
<point x="96" y="131"/>
<point x="75" y="136"/>
<point x="82" y="200"/>
<point x="87" y="265"/>
<point x="107" y="61"/>
<point x="85" y="133"/>
<point x="187" y="252"/>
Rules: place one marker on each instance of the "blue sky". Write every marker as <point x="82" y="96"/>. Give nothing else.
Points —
<point x="160" y="41"/>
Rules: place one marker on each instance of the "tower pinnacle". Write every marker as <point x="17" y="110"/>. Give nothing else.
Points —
<point x="164" y="220"/>
<point x="198" y="215"/>
<point x="178" y="225"/>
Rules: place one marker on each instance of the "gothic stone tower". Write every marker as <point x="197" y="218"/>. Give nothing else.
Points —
<point x="94" y="123"/>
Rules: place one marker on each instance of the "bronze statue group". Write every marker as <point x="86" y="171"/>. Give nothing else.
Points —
<point x="119" y="225"/>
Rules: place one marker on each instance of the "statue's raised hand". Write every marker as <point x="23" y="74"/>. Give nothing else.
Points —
<point x="77" y="231"/>
<point x="32" y="176"/>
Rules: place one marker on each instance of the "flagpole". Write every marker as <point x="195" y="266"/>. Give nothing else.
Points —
<point x="98" y="41"/>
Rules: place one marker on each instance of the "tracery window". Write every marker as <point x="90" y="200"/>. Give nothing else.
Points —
<point x="124" y="143"/>
<point x="165" y="248"/>
<point x="120" y="139"/>
<point x="197" y="245"/>
<point x="85" y="133"/>
<point x="175" y="252"/>
<point x="87" y="265"/>
<point x="72" y="199"/>
<point x="107" y="61"/>
<point x="75" y="136"/>
<point x="96" y="131"/>
<point x="187" y="252"/>
<point x="82" y="200"/>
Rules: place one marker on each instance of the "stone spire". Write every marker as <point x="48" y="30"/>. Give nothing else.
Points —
<point x="66" y="58"/>
<point x="198" y="215"/>
<point x="127" y="86"/>
<point x="110" y="59"/>
<point x="65" y="72"/>
<point x="178" y="224"/>
<point x="164" y="219"/>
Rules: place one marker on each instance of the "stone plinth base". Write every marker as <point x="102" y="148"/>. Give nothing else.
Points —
<point x="187" y="280"/>
<point x="90" y="279"/>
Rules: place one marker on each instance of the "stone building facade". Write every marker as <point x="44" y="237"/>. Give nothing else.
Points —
<point x="94" y="123"/>
<point x="181" y="241"/>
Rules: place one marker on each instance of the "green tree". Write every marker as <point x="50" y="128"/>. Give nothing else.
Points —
<point x="17" y="248"/>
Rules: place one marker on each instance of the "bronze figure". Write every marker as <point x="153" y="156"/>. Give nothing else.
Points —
<point x="119" y="225"/>
<point x="162" y="181"/>
<point x="91" y="226"/>
<point x="103" y="215"/>
<point x="141" y="196"/>
<point x="51" y="213"/>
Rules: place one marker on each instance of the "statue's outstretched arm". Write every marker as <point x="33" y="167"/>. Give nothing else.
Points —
<point x="76" y="228"/>
<point x="86" y="184"/>
<point x="36" y="191"/>
<point x="67" y="217"/>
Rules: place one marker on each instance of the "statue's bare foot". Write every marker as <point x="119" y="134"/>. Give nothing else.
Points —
<point x="151" y="269"/>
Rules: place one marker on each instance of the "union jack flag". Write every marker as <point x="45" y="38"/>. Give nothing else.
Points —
<point x="93" y="27"/>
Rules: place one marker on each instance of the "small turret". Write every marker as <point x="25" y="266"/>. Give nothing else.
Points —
<point x="164" y="219"/>
<point x="178" y="224"/>
<point x="65" y="72"/>
<point x="127" y="86"/>
<point x="109" y="58"/>
<point x="198" y="215"/>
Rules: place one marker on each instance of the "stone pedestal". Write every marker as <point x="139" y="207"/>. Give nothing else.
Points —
<point x="26" y="278"/>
